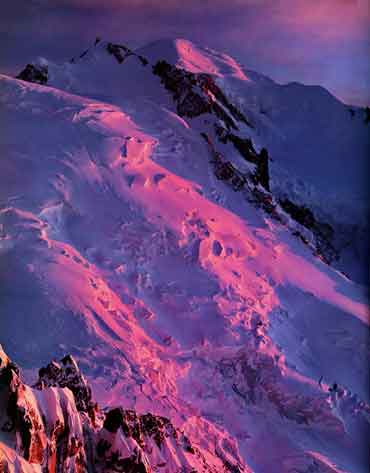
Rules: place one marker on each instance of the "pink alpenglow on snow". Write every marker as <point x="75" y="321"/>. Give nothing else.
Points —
<point x="179" y="239"/>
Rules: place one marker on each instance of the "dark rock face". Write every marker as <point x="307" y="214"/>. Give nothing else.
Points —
<point x="193" y="105"/>
<point x="246" y="149"/>
<point x="20" y="416"/>
<point x="141" y="429"/>
<point x="121" y="52"/>
<point x="180" y="83"/>
<point x="263" y="169"/>
<point x="38" y="440"/>
<point x="197" y="94"/>
<point x="66" y="374"/>
<point x="37" y="75"/>
<point x="143" y="426"/>
<point x="323" y="232"/>
<point x="300" y="214"/>
<point x="226" y="171"/>
<point x="114" y="419"/>
<point x="367" y="115"/>
<point x="208" y="84"/>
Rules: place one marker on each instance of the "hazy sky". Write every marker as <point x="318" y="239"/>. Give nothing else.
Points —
<point x="324" y="42"/>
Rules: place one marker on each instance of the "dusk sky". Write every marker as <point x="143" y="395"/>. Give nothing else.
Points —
<point x="324" y="42"/>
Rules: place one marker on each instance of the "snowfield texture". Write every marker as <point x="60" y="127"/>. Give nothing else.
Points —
<point x="137" y="234"/>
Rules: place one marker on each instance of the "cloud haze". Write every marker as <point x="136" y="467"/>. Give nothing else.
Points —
<point x="325" y="42"/>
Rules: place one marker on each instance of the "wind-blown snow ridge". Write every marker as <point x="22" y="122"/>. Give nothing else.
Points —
<point x="178" y="294"/>
<point x="193" y="58"/>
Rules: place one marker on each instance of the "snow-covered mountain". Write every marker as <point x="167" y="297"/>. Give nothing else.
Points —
<point x="179" y="225"/>
<point x="318" y="146"/>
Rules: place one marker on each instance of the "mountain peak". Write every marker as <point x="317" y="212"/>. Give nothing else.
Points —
<point x="194" y="58"/>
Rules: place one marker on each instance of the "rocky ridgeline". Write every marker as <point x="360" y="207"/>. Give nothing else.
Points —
<point x="43" y="427"/>
<point x="198" y="94"/>
<point x="323" y="232"/>
<point x="57" y="427"/>
<point x="121" y="52"/>
<point x="66" y="374"/>
<point x="246" y="149"/>
<point x="38" y="74"/>
<point x="35" y="74"/>
<point x="367" y="115"/>
<point x="255" y="184"/>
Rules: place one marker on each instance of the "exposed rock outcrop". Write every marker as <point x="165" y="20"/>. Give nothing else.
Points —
<point x="256" y="184"/>
<point x="121" y="52"/>
<point x="323" y="232"/>
<point x="197" y="94"/>
<point x="66" y="374"/>
<point x="367" y="115"/>
<point x="35" y="74"/>
<point x="44" y="428"/>
<point x="245" y="147"/>
<point x="57" y="427"/>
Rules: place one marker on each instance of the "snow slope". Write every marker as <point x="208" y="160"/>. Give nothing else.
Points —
<point x="176" y="294"/>
<point x="313" y="139"/>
